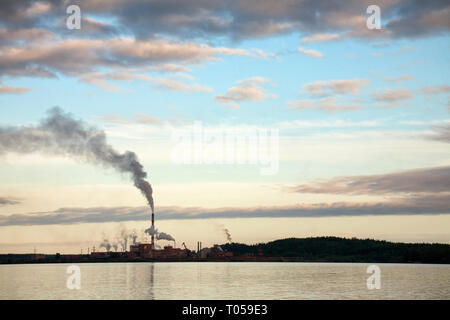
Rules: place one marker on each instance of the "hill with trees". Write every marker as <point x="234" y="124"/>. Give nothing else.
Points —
<point x="334" y="249"/>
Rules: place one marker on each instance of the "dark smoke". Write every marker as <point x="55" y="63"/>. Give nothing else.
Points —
<point x="8" y="201"/>
<point x="60" y="134"/>
<point x="105" y="244"/>
<point x="227" y="233"/>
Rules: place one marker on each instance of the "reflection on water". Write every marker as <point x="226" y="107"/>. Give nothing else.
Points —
<point x="238" y="280"/>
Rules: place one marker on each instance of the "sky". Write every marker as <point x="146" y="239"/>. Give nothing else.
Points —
<point x="270" y="119"/>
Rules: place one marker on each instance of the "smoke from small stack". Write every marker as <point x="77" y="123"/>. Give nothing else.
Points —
<point x="60" y="134"/>
<point x="123" y="239"/>
<point x="123" y="244"/>
<point x="133" y="236"/>
<point x="105" y="244"/>
<point x="228" y="235"/>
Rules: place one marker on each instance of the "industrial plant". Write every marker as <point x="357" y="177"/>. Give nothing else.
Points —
<point x="147" y="251"/>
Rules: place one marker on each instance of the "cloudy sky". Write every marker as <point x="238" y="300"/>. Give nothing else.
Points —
<point x="357" y="120"/>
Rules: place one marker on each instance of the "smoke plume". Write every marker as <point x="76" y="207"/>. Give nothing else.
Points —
<point x="123" y="239"/>
<point x="164" y="236"/>
<point x="133" y="236"/>
<point x="151" y="231"/>
<point x="159" y="235"/>
<point x="105" y="244"/>
<point x="120" y="240"/>
<point x="60" y="134"/>
<point x="228" y="235"/>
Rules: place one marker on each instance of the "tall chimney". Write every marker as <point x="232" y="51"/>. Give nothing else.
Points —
<point x="153" y="227"/>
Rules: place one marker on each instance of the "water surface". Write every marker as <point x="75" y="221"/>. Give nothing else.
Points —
<point x="237" y="280"/>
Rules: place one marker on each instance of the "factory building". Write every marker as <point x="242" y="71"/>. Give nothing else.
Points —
<point x="146" y="251"/>
<point x="141" y="249"/>
<point x="169" y="252"/>
<point x="216" y="252"/>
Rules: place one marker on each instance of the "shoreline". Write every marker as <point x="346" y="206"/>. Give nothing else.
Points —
<point x="274" y="260"/>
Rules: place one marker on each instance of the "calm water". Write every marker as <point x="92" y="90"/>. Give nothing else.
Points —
<point x="224" y="281"/>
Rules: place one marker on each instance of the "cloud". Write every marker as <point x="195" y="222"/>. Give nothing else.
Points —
<point x="8" y="201"/>
<point x="30" y="35"/>
<point x="139" y="118"/>
<point x="436" y="89"/>
<point x="434" y="204"/>
<point x="399" y="79"/>
<point x="162" y="34"/>
<point x="38" y="8"/>
<point x="424" y="180"/>
<point x="245" y="90"/>
<point x="170" y="67"/>
<point x="146" y="119"/>
<point x="295" y="124"/>
<point x="417" y="19"/>
<point x="75" y="57"/>
<point x="311" y="53"/>
<point x="324" y="88"/>
<point x="175" y="85"/>
<point x="102" y="79"/>
<point x="441" y="133"/>
<point x="321" y="37"/>
<point x="94" y="28"/>
<point x="239" y="20"/>
<point x="391" y="96"/>
<point x="13" y="90"/>
<point x="325" y="104"/>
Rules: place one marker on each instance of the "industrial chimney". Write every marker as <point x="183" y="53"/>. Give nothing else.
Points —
<point x="153" y="228"/>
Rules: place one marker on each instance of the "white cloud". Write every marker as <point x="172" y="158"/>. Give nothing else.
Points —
<point x="245" y="90"/>
<point x="321" y="37"/>
<point x="324" y="88"/>
<point x="399" y="79"/>
<point x="13" y="90"/>
<point x="311" y="53"/>
<point x="391" y="97"/>
<point x="102" y="79"/>
<point x="325" y="104"/>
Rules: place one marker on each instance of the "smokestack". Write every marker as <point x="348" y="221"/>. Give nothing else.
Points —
<point x="153" y="227"/>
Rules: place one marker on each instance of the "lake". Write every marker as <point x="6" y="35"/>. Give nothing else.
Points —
<point x="222" y="280"/>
